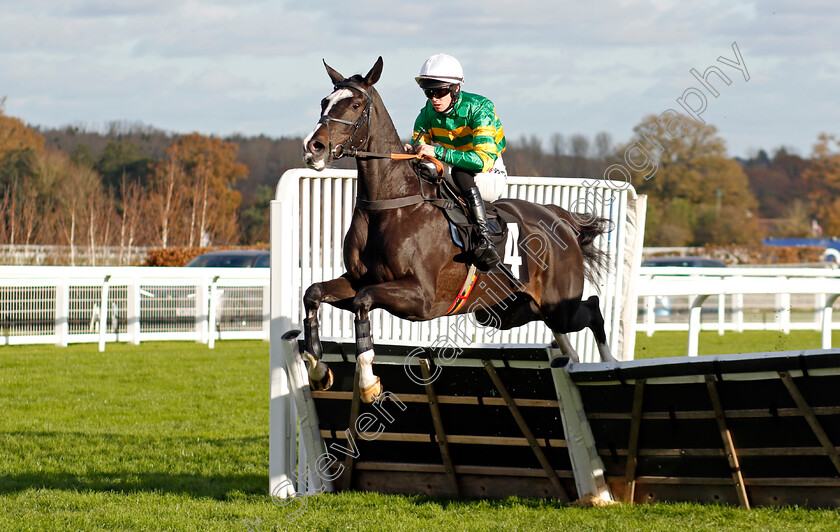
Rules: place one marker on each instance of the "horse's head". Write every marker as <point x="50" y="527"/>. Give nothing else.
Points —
<point x="344" y="126"/>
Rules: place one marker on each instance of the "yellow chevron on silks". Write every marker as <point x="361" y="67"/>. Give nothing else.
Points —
<point x="487" y="160"/>
<point x="470" y="136"/>
<point x="489" y="147"/>
<point x="484" y="131"/>
<point x="464" y="131"/>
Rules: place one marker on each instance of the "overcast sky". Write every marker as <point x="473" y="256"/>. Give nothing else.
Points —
<point x="254" y="67"/>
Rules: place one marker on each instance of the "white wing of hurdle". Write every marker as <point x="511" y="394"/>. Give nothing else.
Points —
<point x="309" y="218"/>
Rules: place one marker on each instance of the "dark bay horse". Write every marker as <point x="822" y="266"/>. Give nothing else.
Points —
<point x="399" y="256"/>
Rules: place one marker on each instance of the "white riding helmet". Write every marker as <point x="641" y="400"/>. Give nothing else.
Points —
<point x="440" y="70"/>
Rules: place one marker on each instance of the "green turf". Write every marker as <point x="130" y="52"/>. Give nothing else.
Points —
<point x="174" y="436"/>
<point x="711" y="343"/>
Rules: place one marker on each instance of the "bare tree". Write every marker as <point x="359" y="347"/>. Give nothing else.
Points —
<point x="580" y="149"/>
<point x="5" y="205"/>
<point x="603" y="145"/>
<point x="164" y="196"/>
<point x="130" y="198"/>
<point x="580" y="146"/>
<point x="205" y="174"/>
<point x="559" y="145"/>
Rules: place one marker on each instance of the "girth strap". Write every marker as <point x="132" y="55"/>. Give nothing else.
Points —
<point x="381" y="205"/>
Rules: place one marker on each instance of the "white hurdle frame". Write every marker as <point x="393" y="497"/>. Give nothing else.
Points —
<point x="306" y="247"/>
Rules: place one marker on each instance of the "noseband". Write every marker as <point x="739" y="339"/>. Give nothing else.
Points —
<point x="347" y="147"/>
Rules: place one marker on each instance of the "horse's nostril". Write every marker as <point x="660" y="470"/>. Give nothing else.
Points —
<point x="316" y="146"/>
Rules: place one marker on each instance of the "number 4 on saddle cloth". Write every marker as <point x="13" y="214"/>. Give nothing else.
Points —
<point x="464" y="232"/>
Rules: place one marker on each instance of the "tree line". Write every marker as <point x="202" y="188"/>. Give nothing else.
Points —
<point x="134" y="185"/>
<point x="123" y="196"/>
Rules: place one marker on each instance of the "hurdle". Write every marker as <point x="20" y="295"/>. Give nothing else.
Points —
<point x="758" y="429"/>
<point x="749" y="430"/>
<point x="309" y="217"/>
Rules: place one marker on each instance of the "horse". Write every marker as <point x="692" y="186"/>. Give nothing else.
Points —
<point x="399" y="257"/>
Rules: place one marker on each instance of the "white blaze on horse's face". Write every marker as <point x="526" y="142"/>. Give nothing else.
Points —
<point x="316" y="152"/>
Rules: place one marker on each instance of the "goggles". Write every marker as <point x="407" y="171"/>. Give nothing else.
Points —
<point x="437" y="93"/>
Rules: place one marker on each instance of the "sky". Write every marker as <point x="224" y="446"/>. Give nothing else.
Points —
<point x="255" y="66"/>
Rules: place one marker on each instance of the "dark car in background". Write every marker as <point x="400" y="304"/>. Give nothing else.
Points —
<point x="237" y="307"/>
<point x="233" y="258"/>
<point x="692" y="262"/>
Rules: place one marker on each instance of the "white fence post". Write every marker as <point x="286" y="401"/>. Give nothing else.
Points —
<point x="62" y="311"/>
<point x="694" y="325"/>
<point x="211" y="314"/>
<point x="202" y="307"/>
<point x="756" y="281"/>
<point x="133" y="310"/>
<point x="160" y="302"/>
<point x="826" y="321"/>
<point x="738" y="311"/>
<point x="103" y="313"/>
<point x="266" y="312"/>
<point x="783" y="310"/>
<point x="819" y="305"/>
<point x="285" y="270"/>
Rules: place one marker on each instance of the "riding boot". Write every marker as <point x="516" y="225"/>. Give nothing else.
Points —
<point x="486" y="255"/>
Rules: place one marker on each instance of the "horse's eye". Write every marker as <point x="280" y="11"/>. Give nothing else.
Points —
<point x="356" y="105"/>
<point x="324" y="104"/>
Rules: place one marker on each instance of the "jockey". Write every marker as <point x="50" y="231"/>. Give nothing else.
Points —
<point x="468" y="135"/>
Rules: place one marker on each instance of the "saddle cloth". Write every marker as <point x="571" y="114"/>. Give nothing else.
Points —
<point x="504" y="234"/>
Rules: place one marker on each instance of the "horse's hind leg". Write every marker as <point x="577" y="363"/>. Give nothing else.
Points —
<point x="595" y="322"/>
<point x="565" y="348"/>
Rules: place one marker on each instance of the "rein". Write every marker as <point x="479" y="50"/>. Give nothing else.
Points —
<point x="395" y="203"/>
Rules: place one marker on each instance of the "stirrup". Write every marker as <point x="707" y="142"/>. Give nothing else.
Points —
<point x="486" y="255"/>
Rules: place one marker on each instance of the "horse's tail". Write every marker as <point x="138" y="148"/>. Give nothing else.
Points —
<point x="588" y="227"/>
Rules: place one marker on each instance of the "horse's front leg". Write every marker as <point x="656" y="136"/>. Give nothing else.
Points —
<point x="338" y="293"/>
<point x="404" y="297"/>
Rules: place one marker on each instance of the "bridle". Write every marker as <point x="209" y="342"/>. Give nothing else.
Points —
<point x="347" y="148"/>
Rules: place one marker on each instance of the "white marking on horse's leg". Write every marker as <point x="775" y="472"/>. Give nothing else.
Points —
<point x="606" y="354"/>
<point x="316" y="369"/>
<point x="566" y="346"/>
<point x="365" y="362"/>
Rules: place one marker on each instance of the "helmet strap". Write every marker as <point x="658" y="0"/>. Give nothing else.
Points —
<point x="455" y="93"/>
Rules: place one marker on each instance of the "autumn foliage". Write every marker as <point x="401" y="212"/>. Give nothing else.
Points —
<point x="824" y="176"/>
<point x="758" y="254"/>
<point x="125" y="199"/>
<point x="137" y="186"/>
<point x="697" y="194"/>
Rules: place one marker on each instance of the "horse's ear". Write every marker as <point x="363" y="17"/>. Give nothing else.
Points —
<point x="373" y="76"/>
<point x="334" y="75"/>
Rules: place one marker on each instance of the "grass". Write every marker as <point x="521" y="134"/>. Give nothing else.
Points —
<point x="711" y="343"/>
<point x="174" y="436"/>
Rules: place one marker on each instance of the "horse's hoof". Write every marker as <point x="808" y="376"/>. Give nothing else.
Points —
<point x="325" y="383"/>
<point x="370" y="393"/>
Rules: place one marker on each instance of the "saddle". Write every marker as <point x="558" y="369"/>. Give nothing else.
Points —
<point x="462" y="229"/>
